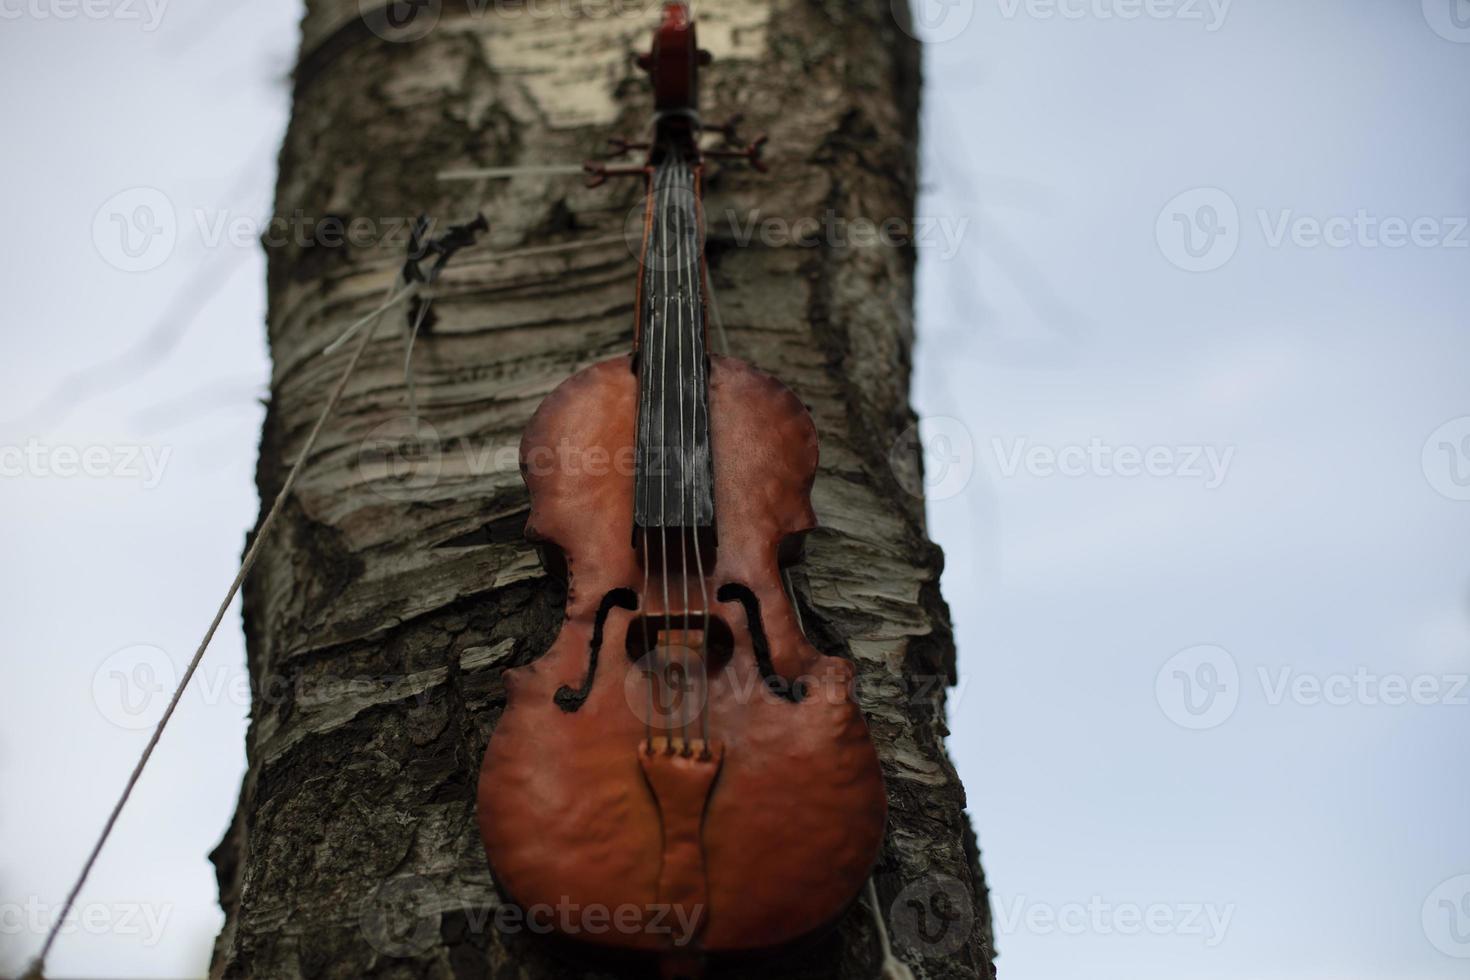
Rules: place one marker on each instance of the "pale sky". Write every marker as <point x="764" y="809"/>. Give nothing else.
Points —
<point x="1193" y="354"/>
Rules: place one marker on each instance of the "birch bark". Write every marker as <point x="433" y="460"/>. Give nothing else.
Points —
<point x="398" y="588"/>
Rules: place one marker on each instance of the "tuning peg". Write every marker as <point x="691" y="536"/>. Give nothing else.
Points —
<point x="728" y="128"/>
<point x="618" y="147"/>
<point x="598" y="173"/>
<point x="753" y="154"/>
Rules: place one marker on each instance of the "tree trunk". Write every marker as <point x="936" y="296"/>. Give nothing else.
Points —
<point x="398" y="586"/>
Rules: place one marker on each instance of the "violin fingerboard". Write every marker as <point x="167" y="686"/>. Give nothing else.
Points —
<point x="675" y="480"/>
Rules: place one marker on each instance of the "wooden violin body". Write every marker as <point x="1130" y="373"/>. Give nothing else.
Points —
<point x="786" y="832"/>
<point x="682" y="773"/>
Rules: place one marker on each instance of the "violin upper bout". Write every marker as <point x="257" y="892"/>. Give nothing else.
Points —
<point x="765" y="444"/>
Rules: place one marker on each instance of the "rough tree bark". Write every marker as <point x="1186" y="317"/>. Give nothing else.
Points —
<point x="383" y="612"/>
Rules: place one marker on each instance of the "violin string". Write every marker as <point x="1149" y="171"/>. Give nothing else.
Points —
<point x="701" y="389"/>
<point x="714" y="310"/>
<point x="663" y="427"/>
<point x="685" y="520"/>
<point x="251" y="554"/>
<point x="645" y="406"/>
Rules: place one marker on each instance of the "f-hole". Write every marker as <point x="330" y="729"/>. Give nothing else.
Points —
<point x="570" y="700"/>
<point x="793" y="691"/>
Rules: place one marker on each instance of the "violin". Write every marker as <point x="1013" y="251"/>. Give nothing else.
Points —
<point x="682" y="774"/>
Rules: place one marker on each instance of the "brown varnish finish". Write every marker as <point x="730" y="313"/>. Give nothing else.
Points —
<point x="796" y="815"/>
<point x="751" y="816"/>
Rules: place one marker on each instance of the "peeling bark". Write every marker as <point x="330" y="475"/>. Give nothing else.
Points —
<point x="380" y="617"/>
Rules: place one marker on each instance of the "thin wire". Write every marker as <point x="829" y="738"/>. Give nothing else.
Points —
<point x="701" y="388"/>
<point x="502" y="173"/>
<point x="795" y="606"/>
<point x="663" y="436"/>
<point x="408" y="378"/>
<point x="892" y="968"/>
<point x="389" y="300"/>
<point x="701" y="372"/>
<point x="251" y="554"/>
<point x="645" y="402"/>
<point x="714" y="309"/>
<point x="564" y="247"/>
<point x="686" y="519"/>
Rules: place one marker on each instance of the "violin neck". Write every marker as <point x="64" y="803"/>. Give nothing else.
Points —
<point x="674" y="480"/>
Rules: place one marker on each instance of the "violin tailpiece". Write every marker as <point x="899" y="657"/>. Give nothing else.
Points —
<point x="681" y="778"/>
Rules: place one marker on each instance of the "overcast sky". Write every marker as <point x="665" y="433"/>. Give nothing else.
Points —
<point x="1193" y="359"/>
